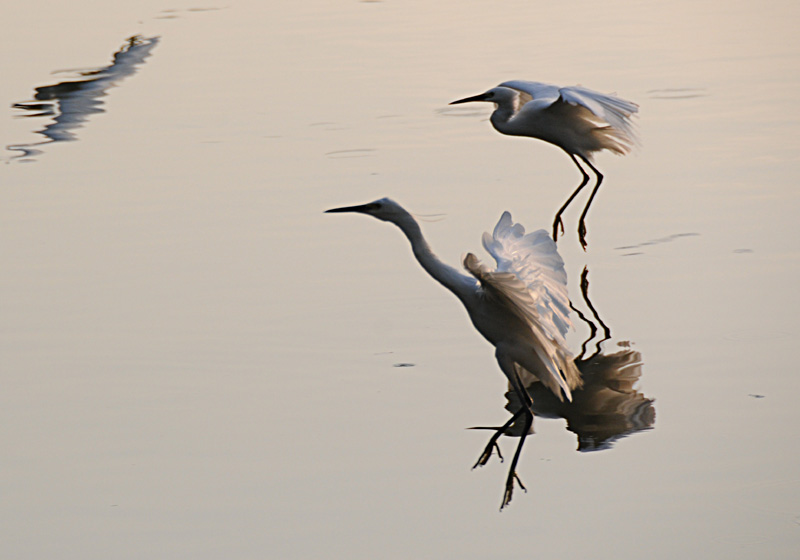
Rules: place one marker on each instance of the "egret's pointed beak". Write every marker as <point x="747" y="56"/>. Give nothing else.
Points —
<point x="481" y="97"/>
<point x="362" y="208"/>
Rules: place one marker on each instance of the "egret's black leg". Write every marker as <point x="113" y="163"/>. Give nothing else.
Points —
<point x="512" y="469"/>
<point x="492" y="445"/>
<point x="557" y="221"/>
<point x="516" y="383"/>
<point x="582" y="221"/>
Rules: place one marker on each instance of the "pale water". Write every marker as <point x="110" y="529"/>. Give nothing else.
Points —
<point x="197" y="362"/>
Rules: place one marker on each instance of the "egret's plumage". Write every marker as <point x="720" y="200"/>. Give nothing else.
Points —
<point x="522" y="307"/>
<point x="578" y="120"/>
<point x="530" y="281"/>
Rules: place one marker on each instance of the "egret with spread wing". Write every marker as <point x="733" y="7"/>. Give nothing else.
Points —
<point x="522" y="307"/>
<point x="576" y="119"/>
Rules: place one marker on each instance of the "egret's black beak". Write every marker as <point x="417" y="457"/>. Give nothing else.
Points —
<point x="362" y="208"/>
<point x="481" y="97"/>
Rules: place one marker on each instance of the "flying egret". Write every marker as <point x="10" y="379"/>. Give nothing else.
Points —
<point x="522" y="307"/>
<point x="576" y="119"/>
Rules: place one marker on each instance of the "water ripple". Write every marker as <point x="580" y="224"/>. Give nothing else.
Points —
<point x="69" y="103"/>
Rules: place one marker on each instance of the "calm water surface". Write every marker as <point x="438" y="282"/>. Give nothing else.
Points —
<point x="197" y="362"/>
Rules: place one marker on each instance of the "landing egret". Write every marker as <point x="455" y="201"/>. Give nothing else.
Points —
<point x="522" y="307"/>
<point x="576" y="119"/>
<point x="606" y="408"/>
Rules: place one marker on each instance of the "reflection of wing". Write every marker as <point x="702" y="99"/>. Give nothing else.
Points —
<point x="608" y="406"/>
<point x="534" y="260"/>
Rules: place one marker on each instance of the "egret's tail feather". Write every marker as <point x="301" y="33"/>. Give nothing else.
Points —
<point x="614" y="140"/>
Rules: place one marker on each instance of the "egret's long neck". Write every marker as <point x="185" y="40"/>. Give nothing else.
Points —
<point x="460" y="284"/>
<point x="502" y="113"/>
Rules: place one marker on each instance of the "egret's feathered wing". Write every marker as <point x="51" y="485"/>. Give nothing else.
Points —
<point x="534" y="260"/>
<point x="606" y="109"/>
<point x="534" y="90"/>
<point x="530" y="280"/>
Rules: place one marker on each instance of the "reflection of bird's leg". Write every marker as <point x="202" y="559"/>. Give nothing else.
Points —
<point x="557" y="221"/>
<point x="581" y="222"/>
<point x="589" y="322"/>
<point x="585" y="293"/>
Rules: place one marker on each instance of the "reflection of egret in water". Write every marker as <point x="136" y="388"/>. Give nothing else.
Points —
<point x="593" y="329"/>
<point x="70" y="103"/>
<point x="605" y="409"/>
<point x="522" y="308"/>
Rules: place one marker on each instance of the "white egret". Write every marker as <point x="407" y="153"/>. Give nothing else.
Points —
<point x="606" y="408"/>
<point x="576" y="119"/>
<point x="522" y="307"/>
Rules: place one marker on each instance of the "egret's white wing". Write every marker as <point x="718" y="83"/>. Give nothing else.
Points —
<point x="505" y="290"/>
<point x="611" y="109"/>
<point x="536" y="90"/>
<point x="534" y="260"/>
<point x="530" y="281"/>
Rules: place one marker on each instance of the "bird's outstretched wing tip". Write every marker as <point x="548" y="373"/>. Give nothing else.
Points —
<point x="504" y="223"/>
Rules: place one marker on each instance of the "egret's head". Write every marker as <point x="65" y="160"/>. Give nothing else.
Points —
<point x="494" y="95"/>
<point x="384" y="209"/>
